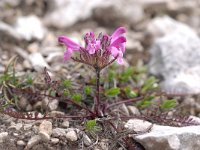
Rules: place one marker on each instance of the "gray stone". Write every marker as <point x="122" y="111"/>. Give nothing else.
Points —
<point x="175" y="56"/>
<point x="166" y="137"/>
<point x="3" y="136"/>
<point x="87" y="141"/>
<point x="65" y="124"/>
<point x="33" y="141"/>
<point x="104" y="11"/>
<point x="45" y="130"/>
<point x="38" y="61"/>
<point x="54" y="140"/>
<point x="58" y="132"/>
<point x="71" y="136"/>
<point x="30" y="27"/>
<point x="21" y="143"/>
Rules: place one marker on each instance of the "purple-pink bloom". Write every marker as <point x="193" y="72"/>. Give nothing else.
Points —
<point x="102" y="47"/>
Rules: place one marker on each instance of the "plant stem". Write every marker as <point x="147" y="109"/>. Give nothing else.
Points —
<point x="97" y="103"/>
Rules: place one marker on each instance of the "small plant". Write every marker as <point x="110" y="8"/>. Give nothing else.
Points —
<point x="98" y="53"/>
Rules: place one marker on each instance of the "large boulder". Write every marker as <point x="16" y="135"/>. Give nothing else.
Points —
<point x="175" y="55"/>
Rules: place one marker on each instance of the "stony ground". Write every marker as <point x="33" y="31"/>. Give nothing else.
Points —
<point x="29" y="30"/>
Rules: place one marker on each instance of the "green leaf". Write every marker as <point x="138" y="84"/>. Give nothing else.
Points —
<point x="112" y="92"/>
<point x="168" y="104"/>
<point x="146" y="102"/>
<point x="111" y="75"/>
<point x="66" y="92"/>
<point x="29" y="80"/>
<point x="90" y="124"/>
<point x="127" y="74"/>
<point x="149" y="84"/>
<point x="77" y="97"/>
<point x="130" y="93"/>
<point x="87" y="90"/>
<point x="66" y="83"/>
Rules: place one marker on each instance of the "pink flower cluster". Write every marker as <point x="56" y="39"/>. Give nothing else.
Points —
<point x="97" y="49"/>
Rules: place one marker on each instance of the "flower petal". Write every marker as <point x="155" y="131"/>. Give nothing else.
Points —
<point x="69" y="43"/>
<point x="118" y="32"/>
<point x="118" y="41"/>
<point x="68" y="54"/>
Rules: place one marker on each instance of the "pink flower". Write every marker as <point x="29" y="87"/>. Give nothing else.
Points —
<point x="97" y="49"/>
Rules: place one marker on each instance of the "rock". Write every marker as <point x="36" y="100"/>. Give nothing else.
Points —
<point x="38" y="61"/>
<point x="45" y="130"/>
<point x="54" y="140"/>
<point x="16" y="126"/>
<point x="73" y="11"/>
<point x="175" y="56"/>
<point x="50" y="104"/>
<point x="71" y="136"/>
<point x="3" y="136"/>
<point x="168" y="138"/>
<point x="138" y="125"/>
<point x="30" y="27"/>
<point x="33" y="141"/>
<point x="27" y="126"/>
<point x="9" y="33"/>
<point x="58" y="132"/>
<point x="65" y="124"/>
<point x="86" y="140"/>
<point x="133" y="110"/>
<point x="21" y="143"/>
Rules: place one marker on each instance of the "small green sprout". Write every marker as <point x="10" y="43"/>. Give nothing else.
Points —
<point x="168" y="104"/>
<point x="87" y="90"/>
<point x="112" y="92"/>
<point x="66" y="83"/>
<point x="77" y="97"/>
<point x="91" y="126"/>
<point x="149" y="84"/>
<point x="130" y="93"/>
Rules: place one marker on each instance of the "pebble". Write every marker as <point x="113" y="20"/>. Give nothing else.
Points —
<point x="57" y="132"/>
<point x="65" y="124"/>
<point x="133" y="110"/>
<point x="45" y="130"/>
<point x="54" y="140"/>
<point x="33" y="141"/>
<point x="3" y="136"/>
<point x="21" y="143"/>
<point x="87" y="141"/>
<point x="71" y="136"/>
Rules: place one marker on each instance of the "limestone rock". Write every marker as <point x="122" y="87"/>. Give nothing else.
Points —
<point x="45" y="130"/>
<point x="30" y="27"/>
<point x="71" y="136"/>
<point x="175" y="56"/>
<point x="3" y="135"/>
<point x="102" y="11"/>
<point x="168" y="138"/>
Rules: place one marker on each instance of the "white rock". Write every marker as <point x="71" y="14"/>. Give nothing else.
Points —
<point x="9" y="31"/>
<point x="3" y="136"/>
<point x="54" y="140"/>
<point x="71" y="136"/>
<point x="138" y="125"/>
<point x="65" y="124"/>
<point x="87" y="141"/>
<point x="73" y="11"/>
<point x="133" y="110"/>
<point x="171" y="138"/>
<point x="21" y="143"/>
<point x="58" y="132"/>
<point x="45" y="130"/>
<point x="33" y="141"/>
<point x="30" y="27"/>
<point x="38" y="61"/>
<point x="175" y="56"/>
